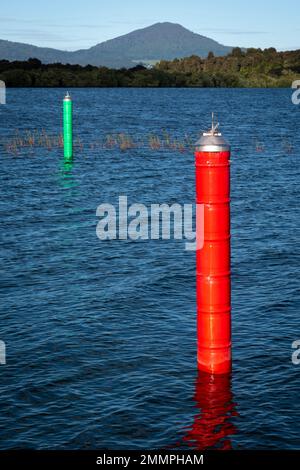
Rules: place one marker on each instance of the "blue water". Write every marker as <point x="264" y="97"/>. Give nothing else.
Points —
<point x="100" y="335"/>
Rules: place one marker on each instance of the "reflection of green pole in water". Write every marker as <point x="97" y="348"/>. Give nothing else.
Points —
<point x="68" y="166"/>
<point x="67" y="122"/>
<point x="66" y="177"/>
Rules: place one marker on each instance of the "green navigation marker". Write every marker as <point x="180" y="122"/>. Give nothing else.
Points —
<point x="67" y="122"/>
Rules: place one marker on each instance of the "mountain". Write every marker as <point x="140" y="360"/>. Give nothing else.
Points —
<point x="148" y="45"/>
<point x="18" y="51"/>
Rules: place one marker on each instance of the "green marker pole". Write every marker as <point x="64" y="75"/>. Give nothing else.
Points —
<point x="67" y="122"/>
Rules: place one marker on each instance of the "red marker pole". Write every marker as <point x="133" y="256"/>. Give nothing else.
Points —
<point x="213" y="258"/>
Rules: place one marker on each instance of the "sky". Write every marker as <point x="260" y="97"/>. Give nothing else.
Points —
<point x="71" y="25"/>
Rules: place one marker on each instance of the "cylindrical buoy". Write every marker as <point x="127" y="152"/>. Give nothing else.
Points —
<point x="67" y="126"/>
<point x="213" y="257"/>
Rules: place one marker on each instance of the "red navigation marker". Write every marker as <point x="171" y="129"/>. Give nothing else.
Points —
<point x="213" y="258"/>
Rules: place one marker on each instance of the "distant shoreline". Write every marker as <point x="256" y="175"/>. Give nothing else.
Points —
<point x="254" y="68"/>
<point x="70" y="87"/>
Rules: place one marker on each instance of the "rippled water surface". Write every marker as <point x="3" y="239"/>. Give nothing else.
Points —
<point x="100" y="336"/>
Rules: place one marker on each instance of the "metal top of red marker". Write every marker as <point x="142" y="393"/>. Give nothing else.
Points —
<point x="212" y="140"/>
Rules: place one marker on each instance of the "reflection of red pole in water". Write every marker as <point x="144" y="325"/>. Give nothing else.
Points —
<point x="213" y="258"/>
<point x="212" y="426"/>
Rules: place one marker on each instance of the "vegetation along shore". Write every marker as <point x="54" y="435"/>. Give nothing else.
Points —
<point x="250" y="68"/>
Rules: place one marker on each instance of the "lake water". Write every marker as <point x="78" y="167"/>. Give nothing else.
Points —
<point x="100" y="335"/>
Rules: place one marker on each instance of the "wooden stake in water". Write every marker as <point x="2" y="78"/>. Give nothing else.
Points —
<point x="67" y="123"/>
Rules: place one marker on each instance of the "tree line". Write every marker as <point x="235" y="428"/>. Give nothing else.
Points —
<point x="240" y="68"/>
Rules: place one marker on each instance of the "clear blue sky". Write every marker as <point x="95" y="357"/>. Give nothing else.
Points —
<point x="76" y="24"/>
